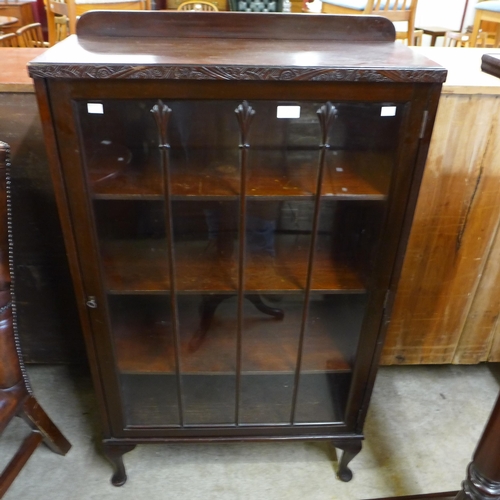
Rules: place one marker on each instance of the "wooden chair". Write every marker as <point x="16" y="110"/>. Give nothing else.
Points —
<point x="9" y="40"/>
<point x="31" y="36"/>
<point x="57" y="20"/>
<point x="455" y="39"/>
<point x="198" y="6"/>
<point x="417" y="36"/>
<point x="15" y="394"/>
<point x="256" y="5"/>
<point x="395" y="10"/>
<point x="486" y="11"/>
<point x="59" y="10"/>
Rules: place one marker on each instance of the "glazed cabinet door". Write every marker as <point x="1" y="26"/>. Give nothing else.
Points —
<point x="236" y="246"/>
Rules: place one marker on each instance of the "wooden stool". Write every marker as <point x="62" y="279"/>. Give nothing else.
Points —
<point x="434" y="32"/>
<point x="15" y="393"/>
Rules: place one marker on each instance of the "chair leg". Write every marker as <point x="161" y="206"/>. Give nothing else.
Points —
<point x="475" y="29"/>
<point x="30" y="444"/>
<point x="32" y="413"/>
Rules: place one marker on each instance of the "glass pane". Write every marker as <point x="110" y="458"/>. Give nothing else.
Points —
<point x="363" y="140"/>
<point x="330" y="343"/>
<point x="283" y="154"/>
<point x="270" y="342"/>
<point x="119" y="139"/>
<point x="144" y="349"/>
<point x="278" y="238"/>
<point x="206" y="256"/>
<point x="355" y="187"/>
<point x="207" y="324"/>
<point x="120" y="148"/>
<point x="204" y="154"/>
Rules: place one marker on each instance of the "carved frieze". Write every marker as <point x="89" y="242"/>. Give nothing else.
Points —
<point x="76" y="71"/>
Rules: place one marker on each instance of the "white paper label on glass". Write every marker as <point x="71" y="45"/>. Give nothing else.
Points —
<point x="388" y="111"/>
<point x="288" y="112"/>
<point x="95" y="108"/>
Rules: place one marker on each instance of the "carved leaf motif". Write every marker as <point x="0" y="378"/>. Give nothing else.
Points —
<point x="244" y="114"/>
<point x="161" y="113"/>
<point x="326" y="115"/>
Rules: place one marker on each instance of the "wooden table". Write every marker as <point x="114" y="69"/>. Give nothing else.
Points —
<point x="434" y="31"/>
<point x="21" y="9"/>
<point x="7" y="22"/>
<point x="14" y="76"/>
<point x="448" y="299"/>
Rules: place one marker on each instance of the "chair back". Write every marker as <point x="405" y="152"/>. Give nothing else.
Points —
<point x="395" y="10"/>
<point x="58" y="16"/>
<point x="57" y="10"/>
<point x="198" y="6"/>
<point x="256" y="5"/>
<point x="30" y="36"/>
<point x="9" y="40"/>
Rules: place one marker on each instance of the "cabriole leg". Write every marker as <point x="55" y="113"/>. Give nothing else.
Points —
<point x="349" y="450"/>
<point x="114" y="453"/>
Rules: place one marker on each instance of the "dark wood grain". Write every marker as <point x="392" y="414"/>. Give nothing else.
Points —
<point x="236" y="25"/>
<point x="30" y="444"/>
<point x="232" y="56"/>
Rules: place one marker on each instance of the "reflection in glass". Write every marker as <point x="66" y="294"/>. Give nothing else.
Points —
<point x="269" y="356"/>
<point x="205" y="249"/>
<point x="145" y="358"/>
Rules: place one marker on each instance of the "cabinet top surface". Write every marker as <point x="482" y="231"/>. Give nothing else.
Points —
<point x="234" y="46"/>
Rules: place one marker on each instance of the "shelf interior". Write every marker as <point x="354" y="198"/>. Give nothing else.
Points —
<point x="277" y="174"/>
<point x="142" y="266"/>
<point x="144" y="343"/>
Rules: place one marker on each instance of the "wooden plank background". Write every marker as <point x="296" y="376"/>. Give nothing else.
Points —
<point x="446" y="308"/>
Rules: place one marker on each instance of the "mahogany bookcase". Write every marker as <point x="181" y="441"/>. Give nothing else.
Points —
<point x="236" y="192"/>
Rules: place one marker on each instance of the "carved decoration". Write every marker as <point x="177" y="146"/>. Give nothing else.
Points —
<point x="161" y="113"/>
<point x="326" y="115"/>
<point x="232" y="73"/>
<point x="244" y="114"/>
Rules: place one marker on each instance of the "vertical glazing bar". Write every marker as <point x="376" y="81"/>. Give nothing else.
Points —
<point x="161" y="113"/>
<point x="244" y="114"/>
<point x="326" y="114"/>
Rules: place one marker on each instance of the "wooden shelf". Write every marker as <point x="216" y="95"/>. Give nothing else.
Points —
<point x="143" y="335"/>
<point x="273" y="174"/>
<point x="142" y="266"/>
